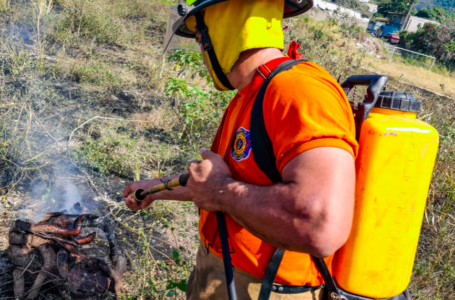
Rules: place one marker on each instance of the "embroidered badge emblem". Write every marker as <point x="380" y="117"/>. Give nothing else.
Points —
<point x="241" y="146"/>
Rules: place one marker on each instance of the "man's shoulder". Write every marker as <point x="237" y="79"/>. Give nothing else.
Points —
<point x="307" y="80"/>
<point x="306" y="70"/>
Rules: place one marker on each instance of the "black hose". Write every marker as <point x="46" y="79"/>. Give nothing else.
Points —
<point x="228" y="270"/>
<point x="183" y="179"/>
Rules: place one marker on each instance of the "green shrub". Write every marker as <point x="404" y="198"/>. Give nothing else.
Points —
<point x="186" y="60"/>
<point x="199" y="112"/>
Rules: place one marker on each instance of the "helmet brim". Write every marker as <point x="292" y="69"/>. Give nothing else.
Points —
<point x="296" y="7"/>
<point x="176" y="19"/>
<point x="179" y="13"/>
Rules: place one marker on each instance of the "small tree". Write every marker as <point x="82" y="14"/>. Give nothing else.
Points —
<point x="438" y="14"/>
<point x="395" y="6"/>
<point x="438" y="41"/>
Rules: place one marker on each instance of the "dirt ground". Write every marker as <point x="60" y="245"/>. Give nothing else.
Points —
<point x="370" y="45"/>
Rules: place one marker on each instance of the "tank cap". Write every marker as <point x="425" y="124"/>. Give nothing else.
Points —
<point x="398" y="101"/>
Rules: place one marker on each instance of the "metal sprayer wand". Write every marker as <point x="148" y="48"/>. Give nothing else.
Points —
<point x="140" y="194"/>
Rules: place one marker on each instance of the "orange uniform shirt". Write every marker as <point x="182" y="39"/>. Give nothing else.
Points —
<point x="304" y="108"/>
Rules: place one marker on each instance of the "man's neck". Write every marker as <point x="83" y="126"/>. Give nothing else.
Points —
<point x="244" y="68"/>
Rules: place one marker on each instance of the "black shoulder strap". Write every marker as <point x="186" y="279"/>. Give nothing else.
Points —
<point x="330" y="285"/>
<point x="266" y="161"/>
<point x="208" y="47"/>
<point x="270" y="274"/>
<point x="260" y="141"/>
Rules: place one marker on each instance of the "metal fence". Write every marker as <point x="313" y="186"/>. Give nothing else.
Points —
<point x="401" y="49"/>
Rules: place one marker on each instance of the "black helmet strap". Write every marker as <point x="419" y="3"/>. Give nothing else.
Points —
<point x="207" y="46"/>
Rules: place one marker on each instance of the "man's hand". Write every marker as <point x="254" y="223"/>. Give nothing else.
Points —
<point x="209" y="178"/>
<point x="143" y="184"/>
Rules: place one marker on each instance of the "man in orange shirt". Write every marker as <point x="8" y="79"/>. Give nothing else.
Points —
<point x="310" y="125"/>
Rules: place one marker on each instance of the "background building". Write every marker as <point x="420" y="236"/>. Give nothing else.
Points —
<point x="397" y="22"/>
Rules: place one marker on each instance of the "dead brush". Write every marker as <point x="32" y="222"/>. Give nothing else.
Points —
<point x="157" y="118"/>
<point x="18" y="61"/>
<point x="425" y="79"/>
<point x="320" y="43"/>
<point x="4" y="5"/>
<point x="41" y="8"/>
<point x="20" y="159"/>
<point x="104" y="20"/>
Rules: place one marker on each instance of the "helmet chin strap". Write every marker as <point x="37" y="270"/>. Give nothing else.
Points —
<point x="207" y="46"/>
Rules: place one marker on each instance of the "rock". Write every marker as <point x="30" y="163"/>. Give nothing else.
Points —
<point x="113" y="98"/>
<point x="95" y="134"/>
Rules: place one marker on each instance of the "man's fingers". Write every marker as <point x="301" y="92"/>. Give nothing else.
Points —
<point x="135" y="205"/>
<point x="146" y="203"/>
<point x="193" y="164"/>
<point x="126" y="191"/>
<point x="132" y="204"/>
<point x="130" y="188"/>
<point x="206" y="154"/>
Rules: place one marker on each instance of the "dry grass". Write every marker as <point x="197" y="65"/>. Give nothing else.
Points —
<point x="434" y="268"/>
<point x="414" y="75"/>
<point x="156" y="118"/>
<point x="95" y="50"/>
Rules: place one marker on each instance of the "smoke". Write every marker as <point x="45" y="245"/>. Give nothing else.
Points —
<point x="71" y="195"/>
<point x="56" y="193"/>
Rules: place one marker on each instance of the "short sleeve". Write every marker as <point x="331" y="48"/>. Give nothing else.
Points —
<point x="305" y="108"/>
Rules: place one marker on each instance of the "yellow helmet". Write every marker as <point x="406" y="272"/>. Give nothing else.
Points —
<point x="235" y="26"/>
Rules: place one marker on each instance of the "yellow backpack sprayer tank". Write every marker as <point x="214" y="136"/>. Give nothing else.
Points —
<point x="394" y="169"/>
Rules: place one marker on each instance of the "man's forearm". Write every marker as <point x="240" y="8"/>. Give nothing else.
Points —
<point x="273" y="214"/>
<point x="311" y="211"/>
<point x="179" y="194"/>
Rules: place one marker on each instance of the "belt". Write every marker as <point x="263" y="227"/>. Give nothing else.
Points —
<point x="289" y="289"/>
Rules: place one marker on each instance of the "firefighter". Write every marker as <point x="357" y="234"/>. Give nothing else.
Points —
<point x="310" y="125"/>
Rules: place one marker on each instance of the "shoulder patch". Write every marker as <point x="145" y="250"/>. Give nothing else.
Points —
<point x="241" y="145"/>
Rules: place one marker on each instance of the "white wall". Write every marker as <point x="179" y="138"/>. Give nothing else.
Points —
<point x="372" y="8"/>
<point x="332" y="8"/>
<point x="414" y="21"/>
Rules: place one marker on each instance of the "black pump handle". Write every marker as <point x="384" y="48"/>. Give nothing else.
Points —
<point x="376" y="84"/>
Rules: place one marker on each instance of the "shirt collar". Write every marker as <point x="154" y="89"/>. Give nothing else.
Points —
<point x="261" y="74"/>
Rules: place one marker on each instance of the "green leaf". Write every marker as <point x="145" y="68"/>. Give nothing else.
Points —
<point x="175" y="254"/>
<point x="182" y="285"/>
<point x="171" y="293"/>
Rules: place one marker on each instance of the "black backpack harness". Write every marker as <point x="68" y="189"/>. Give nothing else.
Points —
<point x="266" y="161"/>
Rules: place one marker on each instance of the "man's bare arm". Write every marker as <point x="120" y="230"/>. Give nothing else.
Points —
<point x="311" y="211"/>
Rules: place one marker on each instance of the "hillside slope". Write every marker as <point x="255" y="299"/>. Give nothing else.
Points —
<point x="88" y="99"/>
<point x="447" y="4"/>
